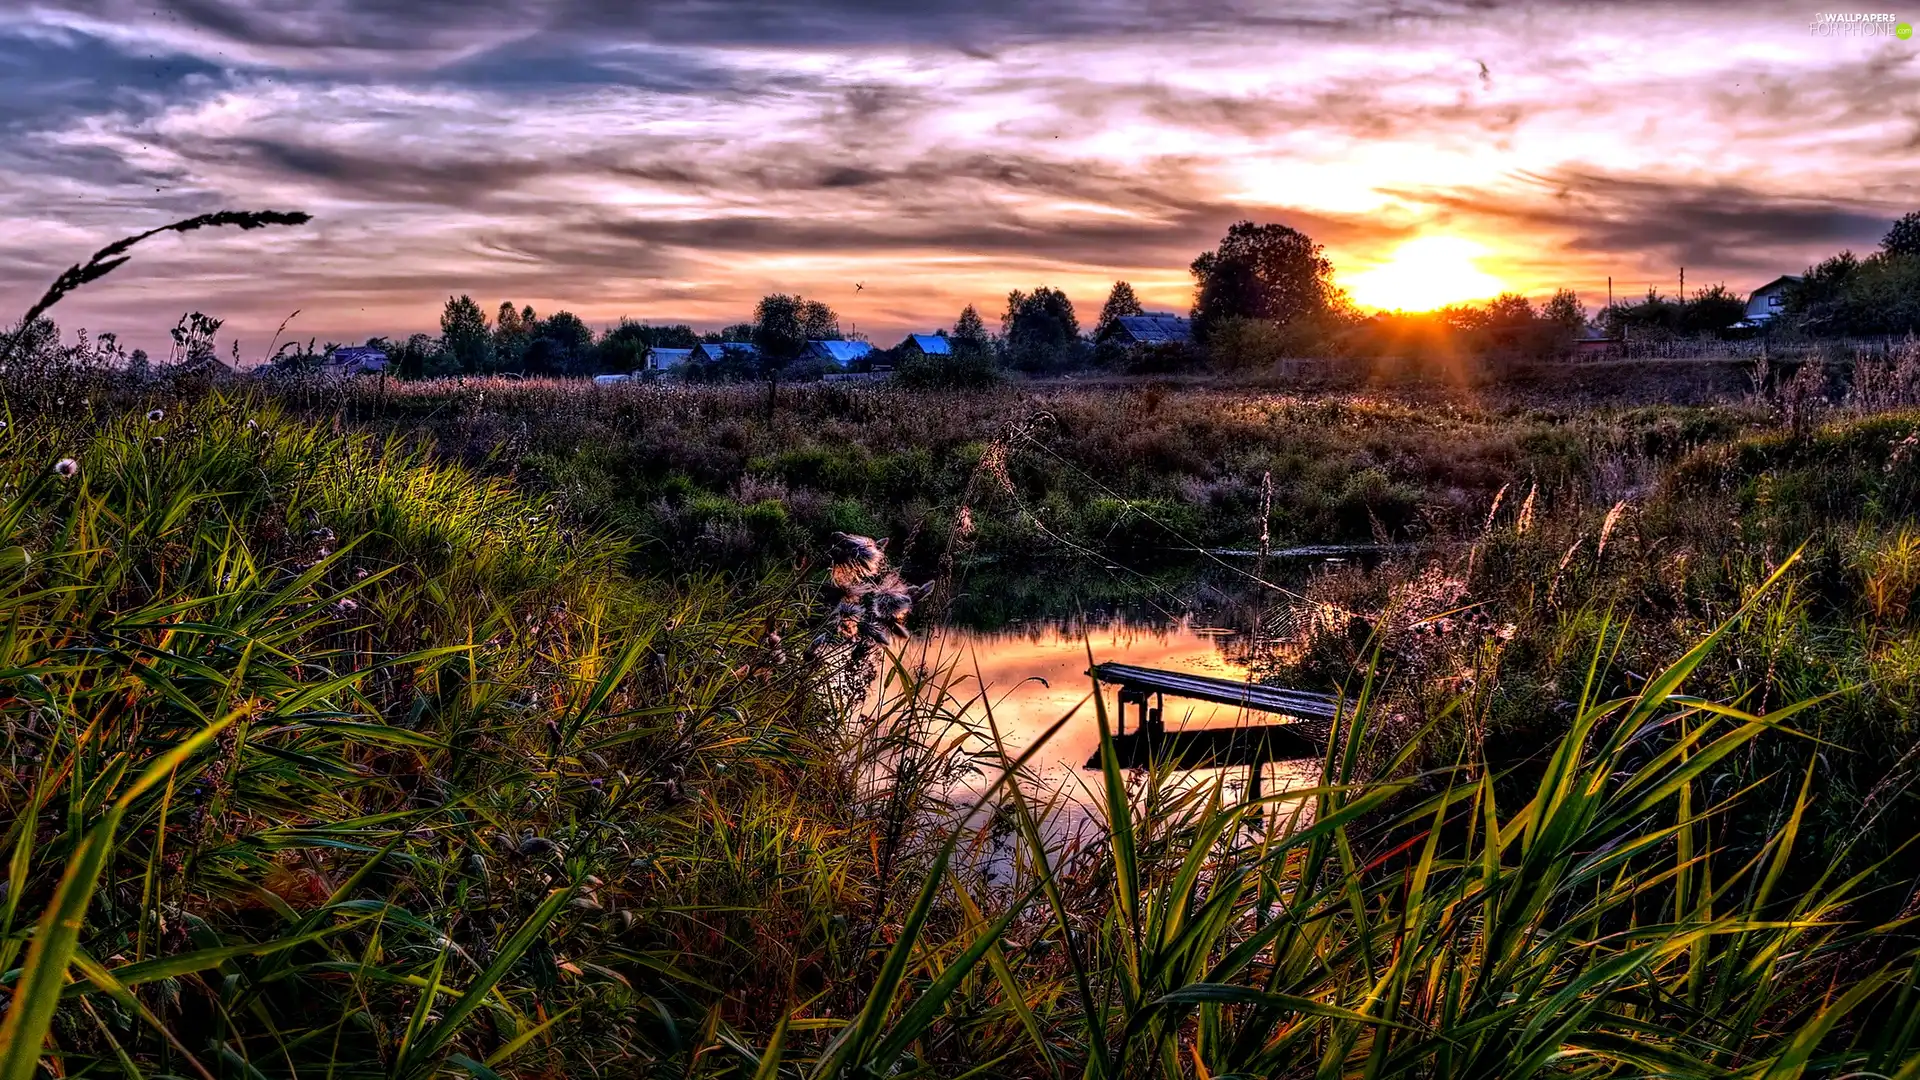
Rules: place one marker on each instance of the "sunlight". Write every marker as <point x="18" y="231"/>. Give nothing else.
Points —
<point x="1423" y="274"/>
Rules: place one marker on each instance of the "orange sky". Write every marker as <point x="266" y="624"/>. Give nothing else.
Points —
<point x="677" y="163"/>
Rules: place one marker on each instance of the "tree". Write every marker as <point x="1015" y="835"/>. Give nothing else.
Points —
<point x="1120" y="302"/>
<point x="1903" y="240"/>
<point x="1263" y="272"/>
<point x="511" y="335"/>
<point x="736" y="332"/>
<point x="778" y="330"/>
<point x="819" y="321"/>
<point x="1039" y="329"/>
<point x="562" y="345"/>
<point x="419" y="357"/>
<point x="1565" y="309"/>
<point x="464" y="334"/>
<point x="968" y="331"/>
<point x="1712" y="310"/>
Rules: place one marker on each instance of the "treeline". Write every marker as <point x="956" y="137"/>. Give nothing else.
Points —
<point x="518" y="341"/>
<point x="1850" y="296"/>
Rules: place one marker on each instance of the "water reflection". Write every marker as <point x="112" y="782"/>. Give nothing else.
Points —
<point x="1035" y="671"/>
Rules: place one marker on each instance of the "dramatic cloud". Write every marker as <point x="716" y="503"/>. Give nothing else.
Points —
<point x="675" y="159"/>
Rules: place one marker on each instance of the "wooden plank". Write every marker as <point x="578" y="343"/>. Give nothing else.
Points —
<point x="1272" y="699"/>
<point x="1218" y="748"/>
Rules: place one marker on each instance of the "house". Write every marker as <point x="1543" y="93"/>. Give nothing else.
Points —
<point x="668" y="359"/>
<point x="1767" y="300"/>
<point x="355" y="360"/>
<point x="841" y="354"/>
<point x="1153" y="328"/>
<point x="1594" y="342"/>
<point x="715" y="351"/>
<point x="926" y="345"/>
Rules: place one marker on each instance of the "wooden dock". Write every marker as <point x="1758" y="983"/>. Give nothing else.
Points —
<point x="1304" y="736"/>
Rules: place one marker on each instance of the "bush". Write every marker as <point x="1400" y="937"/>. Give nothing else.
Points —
<point x="965" y="369"/>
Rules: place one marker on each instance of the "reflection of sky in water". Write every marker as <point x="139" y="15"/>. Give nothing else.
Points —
<point x="1037" y="672"/>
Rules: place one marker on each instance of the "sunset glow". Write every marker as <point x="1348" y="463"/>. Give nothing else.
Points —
<point x="674" y="161"/>
<point x="1424" y="274"/>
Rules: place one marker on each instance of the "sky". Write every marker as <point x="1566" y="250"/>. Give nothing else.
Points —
<point x="673" y="160"/>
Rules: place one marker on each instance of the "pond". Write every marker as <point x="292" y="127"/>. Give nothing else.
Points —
<point x="1033" y="667"/>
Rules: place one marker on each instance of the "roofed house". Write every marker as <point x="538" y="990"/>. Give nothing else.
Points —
<point x="1768" y="300"/>
<point x="1153" y="328"/>
<point x="841" y="354"/>
<point x="356" y="360"/>
<point x="1594" y="341"/>
<point x="659" y="359"/>
<point x="712" y="351"/>
<point x="926" y="345"/>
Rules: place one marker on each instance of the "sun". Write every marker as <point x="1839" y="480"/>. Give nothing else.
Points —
<point x="1423" y="274"/>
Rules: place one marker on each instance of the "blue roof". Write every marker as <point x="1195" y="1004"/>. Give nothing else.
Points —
<point x="668" y="358"/>
<point x="717" y="350"/>
<point x="931" y="344"/>
<point x="840" y="352"/>
<point x="1153" y="329"/>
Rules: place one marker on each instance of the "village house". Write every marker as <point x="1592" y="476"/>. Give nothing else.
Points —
<point x="925" y="345"/>
<point x="1767" y="301"/>
<point x="841" y="354"/>
<point x="711" y="351"/>
<point x="1593" y="342"/>
<point x="659" y="359"/>
<point x="1152" y="328"/>
<point x="355" y="360"/>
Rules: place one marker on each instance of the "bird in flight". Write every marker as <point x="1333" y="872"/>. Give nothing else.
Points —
<point x="859" y="285"/>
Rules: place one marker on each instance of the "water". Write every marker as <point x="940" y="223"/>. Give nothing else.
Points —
<point x="1034" y="671"/>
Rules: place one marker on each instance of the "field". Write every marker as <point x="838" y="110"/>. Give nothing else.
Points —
<point x="506" y="728"/>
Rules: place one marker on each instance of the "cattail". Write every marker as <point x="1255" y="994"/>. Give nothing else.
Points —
<point x="66" y="466"/>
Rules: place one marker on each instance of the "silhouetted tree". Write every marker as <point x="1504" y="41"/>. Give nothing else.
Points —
<point x="1263" y="272"/>
<point x="562" y="345"/>
<point x="511" y="336"/>
<point x="1120" y="302"/>
<point x="969" y="332"/>
<point x="1565" y="309"/>
<point x="1039" y="329"/>
<point x="1903" y="240"/>
<point x="464" y="334"/>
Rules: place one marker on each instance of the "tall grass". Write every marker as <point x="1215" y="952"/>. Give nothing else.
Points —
<point x="320" y="755"/>
<point x="327" y="758"/>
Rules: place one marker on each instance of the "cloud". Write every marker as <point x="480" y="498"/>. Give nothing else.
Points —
<point x="1704" y="223"/>
<point x="675" y="158"/>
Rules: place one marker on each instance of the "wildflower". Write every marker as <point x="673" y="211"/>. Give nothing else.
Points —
<point x="66" y="466"/>
<point x="156" y="415"/>
<point x="346" y="605"/>
<point x="159" y="440"/>
<point x="3" y="425"/>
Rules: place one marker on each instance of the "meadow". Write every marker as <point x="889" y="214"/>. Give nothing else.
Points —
<point x="502" y="728"/>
